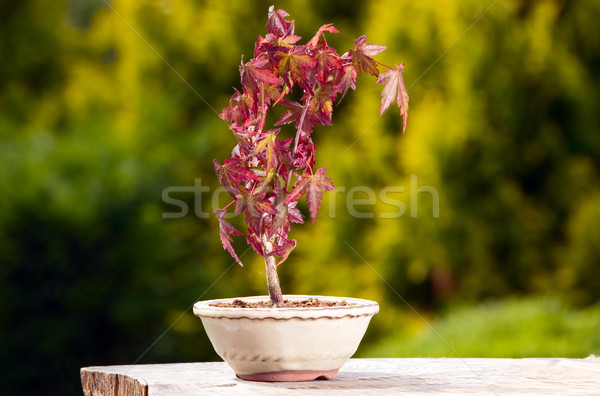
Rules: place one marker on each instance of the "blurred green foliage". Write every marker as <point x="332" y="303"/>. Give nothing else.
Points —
<point x="513" y="328"/>
<point x="103" y="109"/>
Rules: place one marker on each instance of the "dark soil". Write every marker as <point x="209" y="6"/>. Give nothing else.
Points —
<point x="308" y="303"/>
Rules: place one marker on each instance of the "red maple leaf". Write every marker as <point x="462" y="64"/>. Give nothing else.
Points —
<point x="257" y="71"/>
<point x="292" y="114"/>
<point x="347" y="81"/>
<point x="277" y="21"/>
<point x="272" y="43"/>
<point x="318" y="183"/>
<point x="280" y="224"/>
<point x="281" y="221"/>
<point x="304" y="155"/>
<point x="266" y="149"/>
<point x="283" y="248"/>
<point x="254" y="204"/>
<point x="226" y="230"/>
<point x="232" y="173"/>
<point x="253" y="240"/>
<point x="312" y="185"/>
<point x="294" y="65"/>
<point x="394" y="90"/>
<point x="321" y="105"/>
<point x="328" y="61"/>
<point x="361" y="56"/>
<point x="239" y="112"/>
<point x="282" y="149"/>
<point x="320" y="33"/>
<point x="294" y="215"/>
<point x="318" y="112"/>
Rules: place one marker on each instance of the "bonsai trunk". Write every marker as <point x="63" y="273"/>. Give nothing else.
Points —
<point x="271" y="267"/>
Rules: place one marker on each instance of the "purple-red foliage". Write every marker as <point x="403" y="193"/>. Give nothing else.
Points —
<point x="265" y="175"/>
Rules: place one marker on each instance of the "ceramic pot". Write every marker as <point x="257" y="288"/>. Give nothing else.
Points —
<point x="286" y="344"/>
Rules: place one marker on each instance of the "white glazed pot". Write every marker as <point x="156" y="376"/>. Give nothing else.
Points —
<point x="286" y="344"/>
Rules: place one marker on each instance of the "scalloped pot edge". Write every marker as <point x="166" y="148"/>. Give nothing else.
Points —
<point x="286" y="344"/>
<point x="355" y="307"/>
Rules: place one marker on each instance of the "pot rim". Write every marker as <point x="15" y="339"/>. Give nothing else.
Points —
<point x="357" y="307"/>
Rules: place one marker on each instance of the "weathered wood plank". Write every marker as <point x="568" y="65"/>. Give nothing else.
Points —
<point x="107" y="382"/>
<point x="551" y="376"/>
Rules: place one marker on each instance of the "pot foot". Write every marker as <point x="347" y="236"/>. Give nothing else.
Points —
<point x="290" y="375"/>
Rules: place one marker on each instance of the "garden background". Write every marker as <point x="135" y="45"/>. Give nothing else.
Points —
<point x="107" y="116"/>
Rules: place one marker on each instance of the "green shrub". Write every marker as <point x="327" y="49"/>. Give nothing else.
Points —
<point x="511" y="328"/>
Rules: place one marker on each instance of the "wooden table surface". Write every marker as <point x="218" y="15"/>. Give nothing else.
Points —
<point x="419" y="376"/>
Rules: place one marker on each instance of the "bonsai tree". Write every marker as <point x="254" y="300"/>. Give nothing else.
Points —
<point x="267" y="175"/>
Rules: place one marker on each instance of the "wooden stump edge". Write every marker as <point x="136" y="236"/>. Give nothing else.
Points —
<point x="100" y="383"/>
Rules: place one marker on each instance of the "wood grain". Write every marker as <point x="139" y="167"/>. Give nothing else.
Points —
<point x="422" y="376"/>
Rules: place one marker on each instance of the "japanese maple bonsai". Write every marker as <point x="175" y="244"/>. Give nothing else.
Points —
<point x="267" y="175"/>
